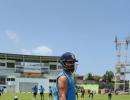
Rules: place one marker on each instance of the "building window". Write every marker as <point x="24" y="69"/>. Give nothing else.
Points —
<point x="10" y="65"/>
<point x="60" y="67"/>
<point x="45" y="70"/>
<point x="53" y="67"/>
<point x="2" y="81"/>
<point x="52" y="81"/>
<point x="12" y="79"/>
<point x="2" y="64"/>
<point x="8" y="79"/>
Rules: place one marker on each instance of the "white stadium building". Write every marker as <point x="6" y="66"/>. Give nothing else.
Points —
<point x="19" y="73"/>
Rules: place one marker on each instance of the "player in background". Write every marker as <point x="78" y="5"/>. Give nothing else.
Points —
<point x="50" y="92"/>
<point x="41" y="92"/>
<point x="35" y="90"/>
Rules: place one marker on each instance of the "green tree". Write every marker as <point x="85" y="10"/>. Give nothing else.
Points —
<point x="96" y="78"/>
<point x="108" y="76"/>
<point x="90" y="76"/>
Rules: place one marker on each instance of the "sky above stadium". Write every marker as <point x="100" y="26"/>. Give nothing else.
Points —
<point x="86" y="28"/>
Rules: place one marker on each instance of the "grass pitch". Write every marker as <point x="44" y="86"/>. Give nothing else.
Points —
<point x="29" y="96"/>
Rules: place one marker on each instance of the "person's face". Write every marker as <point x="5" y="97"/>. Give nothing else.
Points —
<point x="70" y="63"/>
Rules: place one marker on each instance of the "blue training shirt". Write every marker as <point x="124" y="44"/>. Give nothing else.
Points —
<point x="35" y="89"/>
<point x="41" y="89"/>
<point x="71" y="87"/>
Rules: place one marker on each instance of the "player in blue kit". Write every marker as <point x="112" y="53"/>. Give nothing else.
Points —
<point x="65" y="86"/>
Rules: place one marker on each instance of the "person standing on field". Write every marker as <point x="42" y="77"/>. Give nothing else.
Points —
<point x="65" y="86"/>
<point x="41" y="92"/>
<point x="110" y="96"/>
<point x="35" y="90"/>
<point x="50" y="92"/>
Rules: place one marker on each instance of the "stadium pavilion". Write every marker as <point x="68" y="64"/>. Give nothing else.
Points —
<point x="19" y="73"/>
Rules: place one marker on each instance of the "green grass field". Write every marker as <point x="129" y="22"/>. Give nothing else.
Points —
<point x="29" y="96"/>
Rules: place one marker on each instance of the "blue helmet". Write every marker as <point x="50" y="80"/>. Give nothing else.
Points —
<point x="68" y="56"/>
<point x="65" y="57"/>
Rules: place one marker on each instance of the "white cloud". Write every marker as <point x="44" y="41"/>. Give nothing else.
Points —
<point x="41" y="50"/>
<point x="12" y="35"/>
<point x="25" y="51"/>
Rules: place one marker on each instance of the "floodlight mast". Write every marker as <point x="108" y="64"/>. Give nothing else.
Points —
<point x="121" y="62"/>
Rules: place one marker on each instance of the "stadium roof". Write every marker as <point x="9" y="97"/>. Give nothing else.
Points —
<point x="29" y="58"/>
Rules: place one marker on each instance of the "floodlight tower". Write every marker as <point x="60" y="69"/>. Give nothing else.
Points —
<point x="122" y="62"/>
